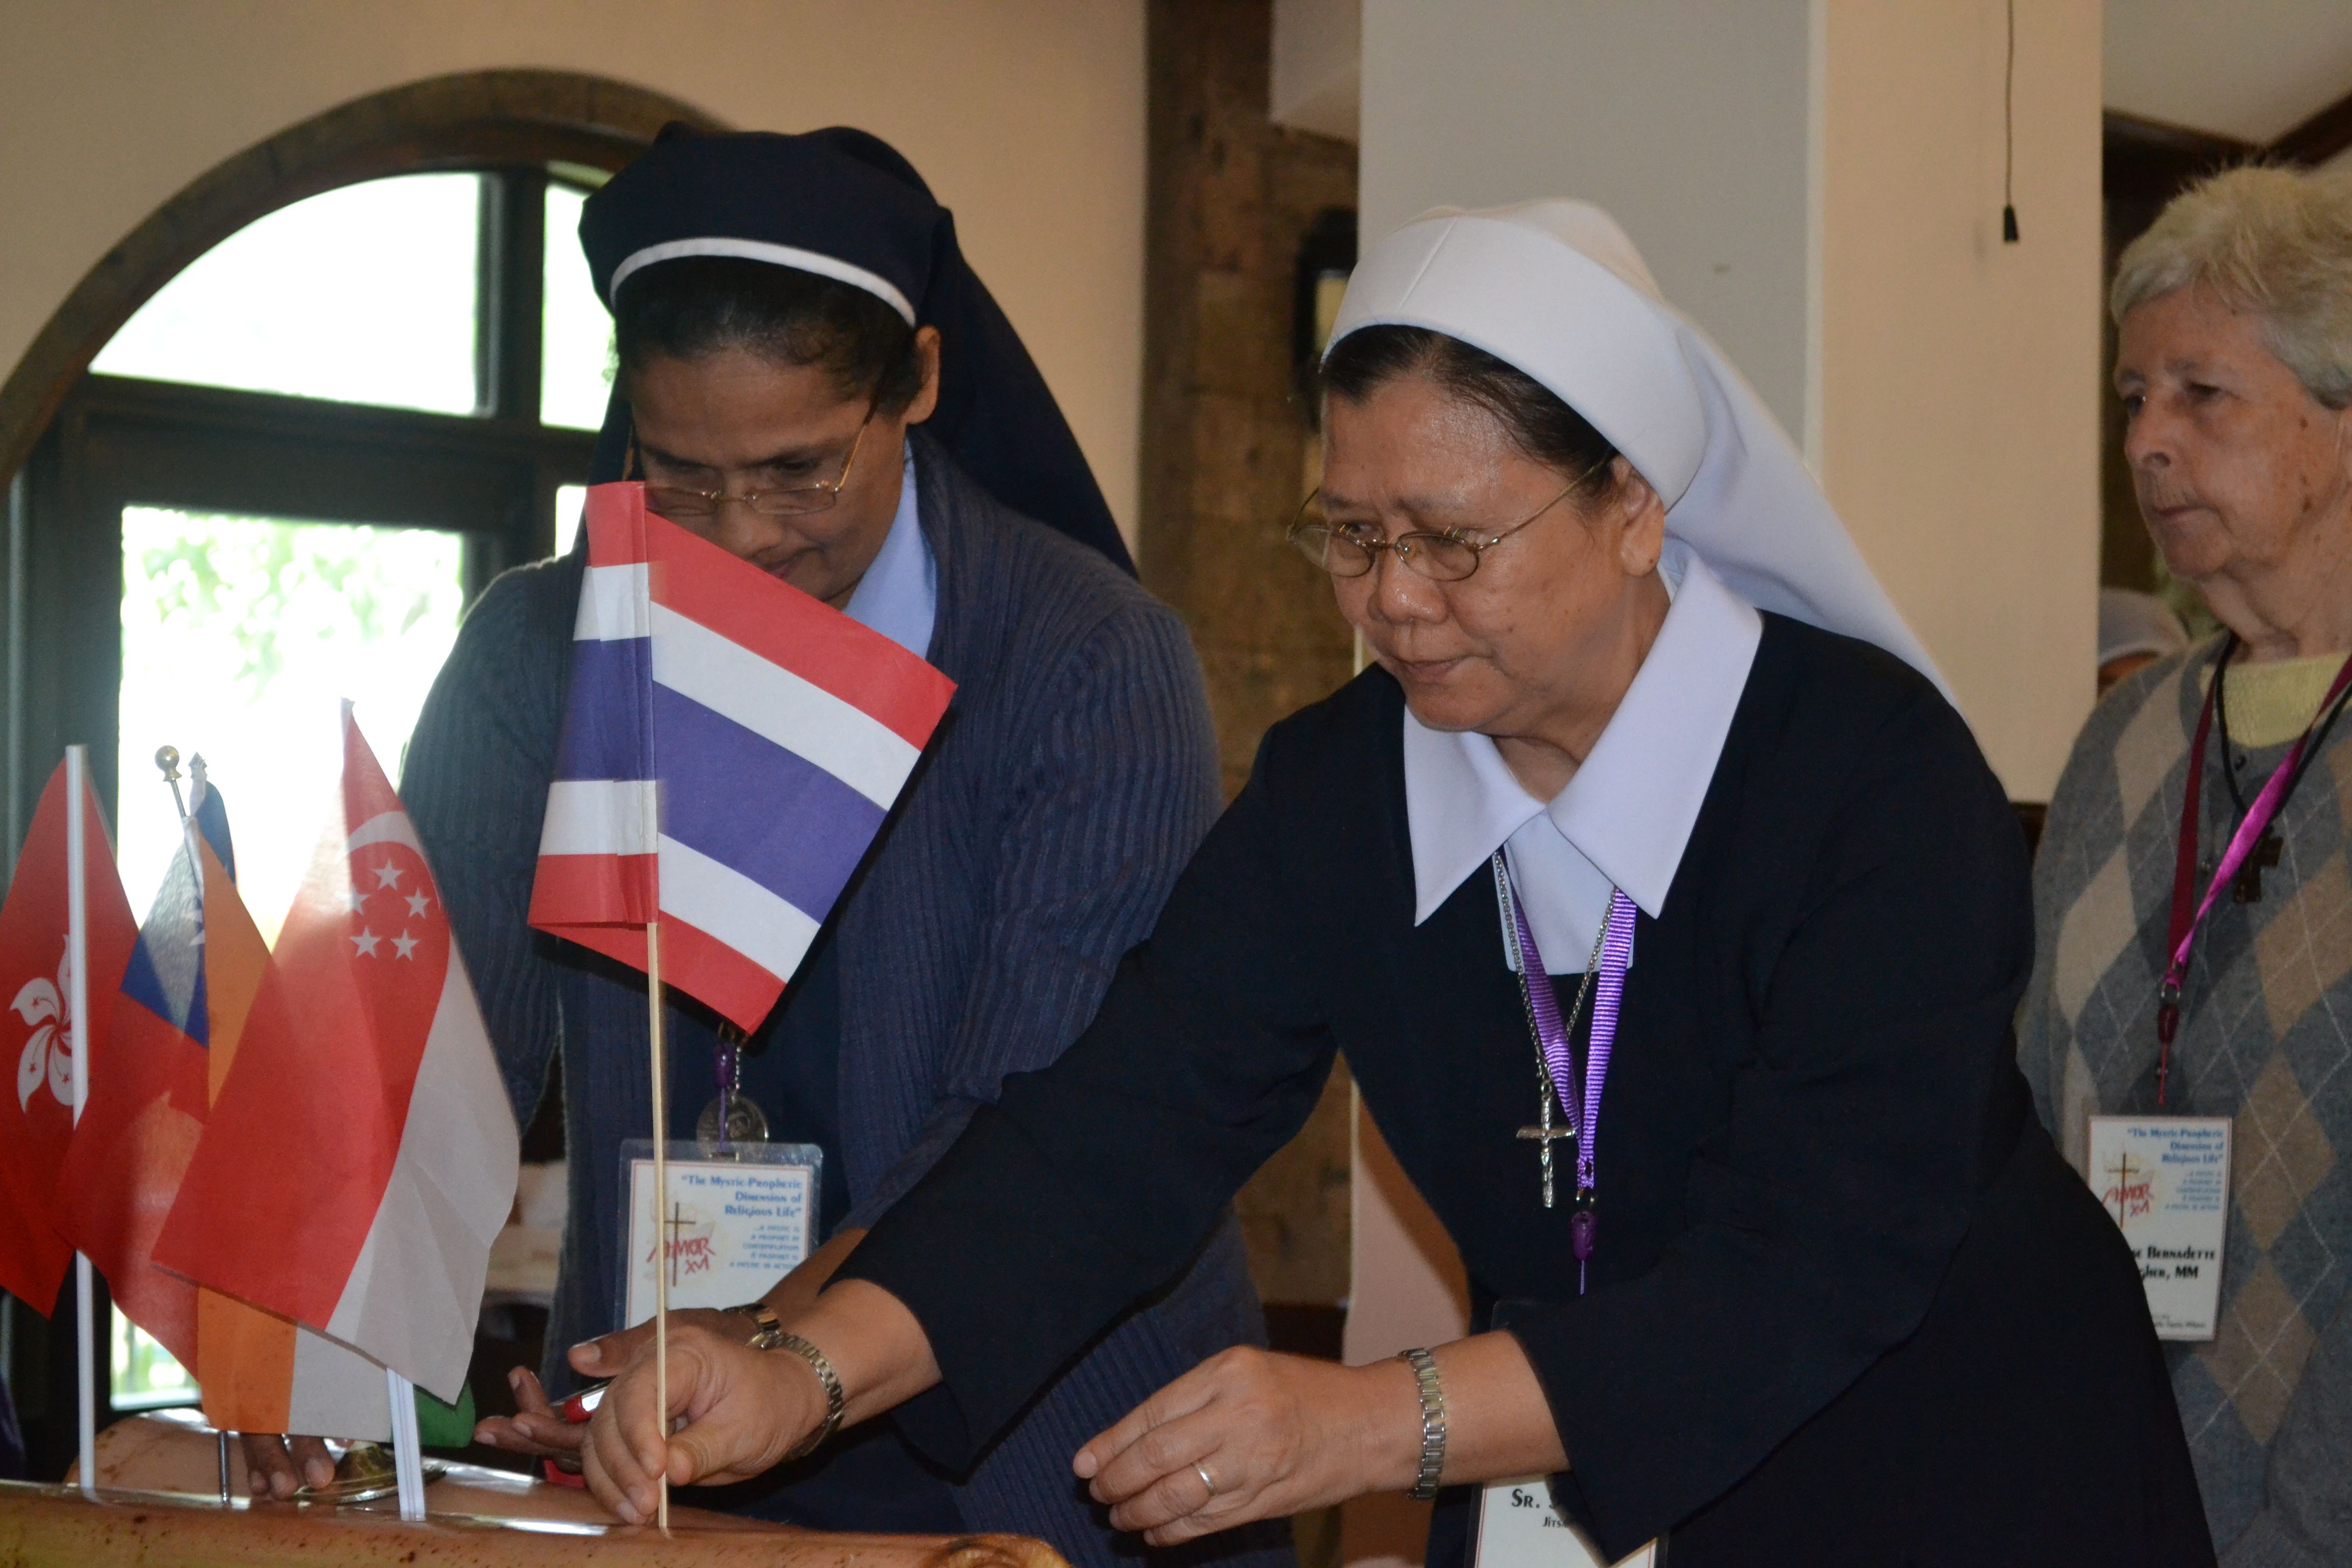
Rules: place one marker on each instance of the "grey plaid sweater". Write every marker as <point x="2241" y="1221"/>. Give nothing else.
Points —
<point x="1071" y="779"/>
<point x="2265" y="1039"/>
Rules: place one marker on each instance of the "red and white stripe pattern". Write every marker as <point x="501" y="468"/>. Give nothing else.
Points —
<point x="730" y="750"/>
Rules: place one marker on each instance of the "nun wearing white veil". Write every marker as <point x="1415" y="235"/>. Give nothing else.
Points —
<point x="1672" y="925"/>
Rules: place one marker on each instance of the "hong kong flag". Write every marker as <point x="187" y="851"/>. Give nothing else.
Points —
<point x="357" y="1166"/>
<point x="38" y="1034"/>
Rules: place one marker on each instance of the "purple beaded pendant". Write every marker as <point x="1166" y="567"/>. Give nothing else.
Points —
<point x="1581" y="1229"/>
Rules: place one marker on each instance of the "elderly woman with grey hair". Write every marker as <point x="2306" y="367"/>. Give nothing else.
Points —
<point x="2193" y="897"/>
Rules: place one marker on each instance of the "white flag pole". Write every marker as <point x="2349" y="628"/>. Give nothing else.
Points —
<point x="407" y="1452"/>
<point x="167" y="763"/>
<point x="661" y="1237"/>
<point x="77" y="1006"/>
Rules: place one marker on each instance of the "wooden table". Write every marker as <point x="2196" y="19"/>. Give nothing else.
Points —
<point x="160" y="1506"/>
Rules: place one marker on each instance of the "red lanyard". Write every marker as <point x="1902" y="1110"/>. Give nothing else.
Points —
<point x="2188" y="911"/>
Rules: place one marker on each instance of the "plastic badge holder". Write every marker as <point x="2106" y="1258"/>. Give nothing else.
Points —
<point x="734" y="1222"/>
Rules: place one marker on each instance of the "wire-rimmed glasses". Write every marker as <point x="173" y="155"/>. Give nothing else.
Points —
<point x="681" y="504"/>
<point x="1349" y="548"/>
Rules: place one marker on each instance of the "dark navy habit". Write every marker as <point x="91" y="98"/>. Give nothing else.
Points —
<point x="1848" y="1305"/>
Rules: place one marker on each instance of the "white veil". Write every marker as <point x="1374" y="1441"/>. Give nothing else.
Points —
<point x="1555" y="289"/>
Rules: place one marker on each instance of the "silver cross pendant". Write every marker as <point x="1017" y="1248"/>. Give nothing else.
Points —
<point x="1543" y="1135"/>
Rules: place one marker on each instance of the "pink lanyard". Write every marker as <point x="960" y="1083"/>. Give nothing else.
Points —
<point x="2187" y="919"/>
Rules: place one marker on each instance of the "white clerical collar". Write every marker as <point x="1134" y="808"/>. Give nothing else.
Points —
<point x="1626" y="816"/>
<point x="899" y="595"/>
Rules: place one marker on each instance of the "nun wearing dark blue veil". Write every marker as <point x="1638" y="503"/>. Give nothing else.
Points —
<point x="811" y="376"/>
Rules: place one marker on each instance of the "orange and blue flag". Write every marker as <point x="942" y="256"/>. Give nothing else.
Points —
<point x="150" y="1087"/>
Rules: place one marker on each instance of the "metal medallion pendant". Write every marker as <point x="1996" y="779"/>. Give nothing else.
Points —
<point x="732" y="1118"/>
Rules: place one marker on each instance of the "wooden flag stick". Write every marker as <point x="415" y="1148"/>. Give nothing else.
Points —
<point x="661" y="1206"/>
<point x="78" y="1009"/>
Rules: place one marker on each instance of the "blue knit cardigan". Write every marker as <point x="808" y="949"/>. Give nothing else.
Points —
<point x="1070" y="782"/>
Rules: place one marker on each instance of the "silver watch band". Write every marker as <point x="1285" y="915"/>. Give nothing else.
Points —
<point x="1432" y="1423"/>
<point x="835" y="1400"/>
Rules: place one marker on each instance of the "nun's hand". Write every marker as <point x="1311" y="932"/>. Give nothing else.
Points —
<point x="1252" y="1434"/>
<point x="743" y="1410"/>
<point x="539" y="1428"/>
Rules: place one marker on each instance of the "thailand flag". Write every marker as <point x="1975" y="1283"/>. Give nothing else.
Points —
<point x="358" y="1163"/>
<point x="729" y="752"/>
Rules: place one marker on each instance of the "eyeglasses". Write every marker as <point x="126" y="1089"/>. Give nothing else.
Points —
<point x="682" y="505"/>
<point x="1350" y="549"/>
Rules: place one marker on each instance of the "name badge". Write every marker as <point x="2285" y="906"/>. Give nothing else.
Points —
<point x="728" y="1228"/>
<point x="2165" y="1181"/>
<point x="1519" y="1528"/>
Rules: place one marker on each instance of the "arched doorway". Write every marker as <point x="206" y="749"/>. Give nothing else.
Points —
<point x="195" y="429"/>
<point x="268" y="451"/>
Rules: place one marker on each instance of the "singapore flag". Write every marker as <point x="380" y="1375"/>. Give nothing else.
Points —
<point x="357" y="1166"/>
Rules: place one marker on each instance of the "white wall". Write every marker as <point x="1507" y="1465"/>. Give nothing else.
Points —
<point x="1819" y="186"/>
<point x="1684" y="118"/>
<point x="1025" y="116"/>
<point x="1317" y="66"/>
<point x="1958" y="383"/>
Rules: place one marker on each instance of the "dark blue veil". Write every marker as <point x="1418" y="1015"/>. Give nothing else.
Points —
<point x="846" y="196"/>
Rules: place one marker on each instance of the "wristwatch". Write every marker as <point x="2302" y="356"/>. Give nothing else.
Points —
<point x="771" y="1336"/>
<point x="770" y="1333"/>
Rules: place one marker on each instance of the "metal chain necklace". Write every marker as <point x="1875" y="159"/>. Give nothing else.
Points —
<point x="1604" y="978"/>
<point x="1549" y="1093"/>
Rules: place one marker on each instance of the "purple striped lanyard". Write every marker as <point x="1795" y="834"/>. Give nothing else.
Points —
<point x="1616" y="955"/>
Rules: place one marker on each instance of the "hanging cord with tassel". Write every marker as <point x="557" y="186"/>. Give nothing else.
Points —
<point x="2008" y="136"/>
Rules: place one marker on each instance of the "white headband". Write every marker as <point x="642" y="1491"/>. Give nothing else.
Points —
<point x="830" y="266"/>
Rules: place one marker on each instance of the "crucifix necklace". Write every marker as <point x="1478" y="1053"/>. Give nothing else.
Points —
<point x="1546" y="1132"/>
<point x="1557" y="1079"/>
